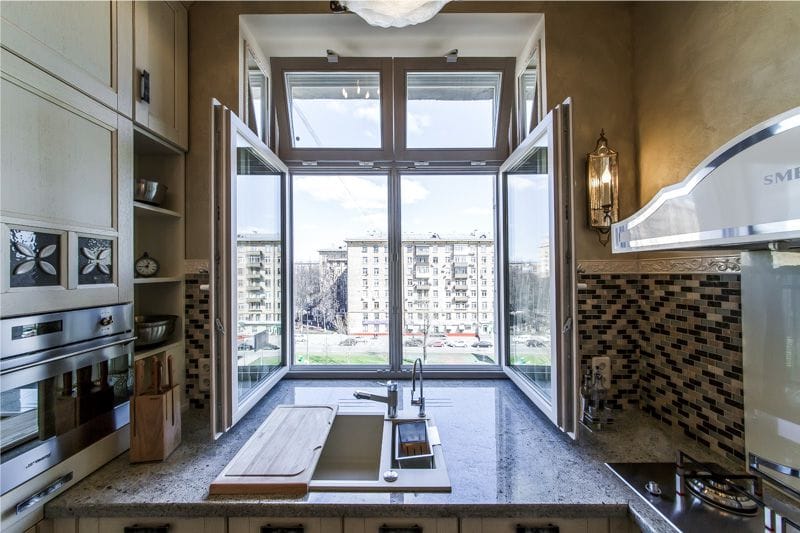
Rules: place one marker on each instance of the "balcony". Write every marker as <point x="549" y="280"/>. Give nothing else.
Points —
<point x="460" y="299"/>
<point x="422" y="272"/>
<point x="460" y="274"/>
<point x="423" y="286"/>
<point x="460" y="287"/>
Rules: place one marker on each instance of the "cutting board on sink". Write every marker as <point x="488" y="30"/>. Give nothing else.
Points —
<point x="282" y="454"/>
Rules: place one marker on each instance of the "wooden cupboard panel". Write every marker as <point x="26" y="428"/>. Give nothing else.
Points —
<point x="311" y="525"/>
<point x="565" y="525"/>
<point x="67" y="168"/>
<point x="161" y="48"/>
<point x="428" y="525"/>
<point x="56" y="164"/>
<point x="76" y="42"/>
<point x="177" y="525"/>
<point x="81" y="32"/>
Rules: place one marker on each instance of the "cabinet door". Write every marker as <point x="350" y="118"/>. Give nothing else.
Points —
<point x="176" y="525"/>
<point x="161" y="51"/>
<point x="309" y="525"/>
<point x="509" y="525"/>
<point x="88" y="44"/>
<point x="65" y="209"/>
<point x="427" y="525"/>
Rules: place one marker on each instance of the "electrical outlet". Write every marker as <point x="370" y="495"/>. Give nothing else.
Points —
<point x="605" y="367"/>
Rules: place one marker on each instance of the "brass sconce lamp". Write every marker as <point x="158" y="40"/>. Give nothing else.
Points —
<point x="601" y="175"/>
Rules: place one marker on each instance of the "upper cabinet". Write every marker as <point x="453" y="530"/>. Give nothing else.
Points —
<point x="86" y="44"/>
<point x="161" y="69"/>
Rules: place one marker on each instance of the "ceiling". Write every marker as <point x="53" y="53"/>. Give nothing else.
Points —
<point x="474" y="35"/>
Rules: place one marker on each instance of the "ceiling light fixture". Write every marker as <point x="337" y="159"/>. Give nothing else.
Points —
<point x="391" y="13"/>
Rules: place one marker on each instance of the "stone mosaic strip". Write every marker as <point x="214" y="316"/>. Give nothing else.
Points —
<point x="198" y="358"/>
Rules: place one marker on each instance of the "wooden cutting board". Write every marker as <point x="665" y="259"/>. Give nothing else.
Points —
<point x="282" y="454"/>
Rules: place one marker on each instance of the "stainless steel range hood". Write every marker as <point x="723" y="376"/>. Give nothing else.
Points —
<point x="744" y="195"/>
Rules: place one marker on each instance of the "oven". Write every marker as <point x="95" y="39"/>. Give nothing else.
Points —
<point x="65" y="383"/>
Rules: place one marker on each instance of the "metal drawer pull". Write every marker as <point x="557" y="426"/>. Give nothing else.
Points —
<point x="537" y="529"/>
<point x="44" y="493"/>
<point x="409" y="529"/>
<point x="136" y="528"/>
<point x="756" y="461"/>
<point x="282" y="529"/>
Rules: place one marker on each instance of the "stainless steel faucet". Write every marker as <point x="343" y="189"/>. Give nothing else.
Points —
<point x="390" y="399"/>
<point x="421" y="400"/>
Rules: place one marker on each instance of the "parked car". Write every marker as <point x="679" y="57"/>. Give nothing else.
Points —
<point x="482" y="344"/>
<point x="414" y="342"/>
<point x="533" y="343"/>
<point x="457" y="343"/>
<point x="436" y="344"/>
<point x="245" y="346"/>
<point x="348" y="342"/>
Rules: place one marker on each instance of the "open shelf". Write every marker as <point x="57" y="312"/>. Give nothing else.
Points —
<point x="158" y="279"/>
<point x="148" y="209"/>
<point x="147" y="351"/>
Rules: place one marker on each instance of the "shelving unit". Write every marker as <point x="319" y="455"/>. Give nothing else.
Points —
<point x="159" y="231"/>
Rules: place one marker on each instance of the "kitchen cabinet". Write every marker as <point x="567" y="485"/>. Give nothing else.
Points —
<point x="159" y="232"/>
<point x="428" y="525"/>
<point x="118" y="525"/>
<point x="565" y="525"/>
<point x="87" y="44"/>
<point x="65" y="210"/>
<point x="310" y="525"/>
<point x="161" y="69"/>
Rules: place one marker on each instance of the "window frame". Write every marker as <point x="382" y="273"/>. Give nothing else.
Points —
<point x="502" y="142"/>
<point x="291" y="154"/>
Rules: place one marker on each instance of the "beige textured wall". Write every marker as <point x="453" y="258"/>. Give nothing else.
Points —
<point x="589" y="57"/>
<point x="703" y="73"/>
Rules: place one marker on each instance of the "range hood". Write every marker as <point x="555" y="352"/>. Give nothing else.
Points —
<point x="744" y="195"/>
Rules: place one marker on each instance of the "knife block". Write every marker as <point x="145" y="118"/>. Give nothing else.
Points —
<point x="155" y="425"/>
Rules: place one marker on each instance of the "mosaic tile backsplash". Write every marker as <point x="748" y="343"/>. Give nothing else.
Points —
<point x="198" y="348"/>
<point x="676" y="346"/>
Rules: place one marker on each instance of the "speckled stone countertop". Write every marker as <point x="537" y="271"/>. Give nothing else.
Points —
<point x="504" y="458"/>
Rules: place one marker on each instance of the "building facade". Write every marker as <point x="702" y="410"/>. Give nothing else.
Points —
<point x="258" y="284"/>
<point x="448" y="285"/>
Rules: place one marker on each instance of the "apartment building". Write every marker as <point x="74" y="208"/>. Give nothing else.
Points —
<point x="258" y="263"/>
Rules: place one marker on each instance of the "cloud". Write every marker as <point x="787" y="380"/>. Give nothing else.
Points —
<point x="350" y="192"/>
<point x="371" y="114"/>
<point x="521" y="183"/>
<point x="478" y="211"/>
<point x="413" y="191"/>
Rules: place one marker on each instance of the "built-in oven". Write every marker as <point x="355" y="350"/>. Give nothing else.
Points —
<point x="65" y="382"/>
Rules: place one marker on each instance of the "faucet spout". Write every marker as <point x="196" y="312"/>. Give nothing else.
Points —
<point x="390" y="399"/>
<point x="421" y="400"/>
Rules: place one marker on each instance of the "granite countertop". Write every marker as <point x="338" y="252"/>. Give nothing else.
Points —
<point x="504" y="459"/>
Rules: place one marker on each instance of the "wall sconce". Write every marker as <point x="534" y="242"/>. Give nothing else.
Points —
<point x="601" y="175"/>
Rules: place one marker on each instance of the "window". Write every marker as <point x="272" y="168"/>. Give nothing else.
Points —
<point x="427" y="218"/>
<point x="348" y="214"/>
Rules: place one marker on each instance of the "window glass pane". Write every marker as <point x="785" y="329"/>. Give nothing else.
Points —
<point x="334" y="109"/>
<point x="528" y="90"/>
<point x="258" y="269"/>
<point x="529" y="276"/>
<point x="341" y="270"/>
<point x="452" y="109"/>
<point x="448" y="269"/>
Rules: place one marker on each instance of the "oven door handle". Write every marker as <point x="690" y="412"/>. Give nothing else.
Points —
<point x="42" y="494"/>
<point x="121" y="342"/>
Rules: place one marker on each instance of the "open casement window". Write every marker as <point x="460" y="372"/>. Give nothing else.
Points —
<point x="249" y="274"/>
<point x="537" y="303"/>
<point x="333" y="111"/>
<point x="453" y="111"/>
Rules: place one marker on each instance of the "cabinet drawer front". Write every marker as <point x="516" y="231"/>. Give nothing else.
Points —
<point x="76" y="42"/>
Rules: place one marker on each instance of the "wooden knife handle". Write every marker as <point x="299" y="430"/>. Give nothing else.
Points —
<point x="138" y="377"/>
<point x="169" y="371"/>
<point x="159" y="375"/>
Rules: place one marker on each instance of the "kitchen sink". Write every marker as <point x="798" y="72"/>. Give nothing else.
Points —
<point x="361" y="448"/>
